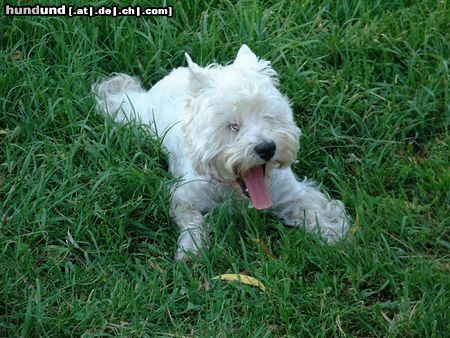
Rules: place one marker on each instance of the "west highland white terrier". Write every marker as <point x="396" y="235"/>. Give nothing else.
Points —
<point x="227" y="130"/>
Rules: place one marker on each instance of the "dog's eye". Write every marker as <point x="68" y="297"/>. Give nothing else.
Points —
<point x="234" y="127"/>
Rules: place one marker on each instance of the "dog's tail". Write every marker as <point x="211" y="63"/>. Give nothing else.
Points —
<point x="121" y="96"/>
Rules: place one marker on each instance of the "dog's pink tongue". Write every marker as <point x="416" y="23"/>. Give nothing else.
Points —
<point x="257" y="189"/>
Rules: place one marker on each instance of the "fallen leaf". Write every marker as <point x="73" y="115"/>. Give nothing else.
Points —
<point x="264" y="247"/>
<point x="17" y="56"/>
<point x="273" y="328"/>
<point x="243" y="279"/>
<point x="355" y="226"/>
<point x="385" y="316"/>
<point x="413" y="311"/>
<point x="156" y="267"/>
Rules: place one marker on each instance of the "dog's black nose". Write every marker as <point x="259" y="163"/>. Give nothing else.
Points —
<point x="265" y="150"/>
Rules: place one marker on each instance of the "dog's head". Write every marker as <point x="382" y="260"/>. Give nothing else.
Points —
<point x="237" y="125"/>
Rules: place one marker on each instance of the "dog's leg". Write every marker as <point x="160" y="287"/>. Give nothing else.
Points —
<point x="193" y="235"/>
<point x="302" y="204"/>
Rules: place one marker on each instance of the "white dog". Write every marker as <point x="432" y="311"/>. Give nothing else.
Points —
<point x="227" y="129"/>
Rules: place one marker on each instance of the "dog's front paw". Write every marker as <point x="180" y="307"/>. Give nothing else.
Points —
<point x="186" y="254"/>
<point x="332" y="222"/>
<point x="190" y="243"/>
<point x="328" y="219"/>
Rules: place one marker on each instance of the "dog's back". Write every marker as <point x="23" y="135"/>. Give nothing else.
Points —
<point x="124" y="98"/>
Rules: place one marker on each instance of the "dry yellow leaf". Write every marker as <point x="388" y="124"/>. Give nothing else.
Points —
<point x="243" y="279"/>
<point x="264" y="247"/>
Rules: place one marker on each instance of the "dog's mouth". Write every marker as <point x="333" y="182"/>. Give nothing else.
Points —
<point x="254" y="186"/>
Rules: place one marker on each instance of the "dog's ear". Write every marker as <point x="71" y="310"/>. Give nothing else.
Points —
<point x="246" y="56"/>
<point x="198" y="79"/>
<point x="246" y="59"/>
<point x="191" y="64"/>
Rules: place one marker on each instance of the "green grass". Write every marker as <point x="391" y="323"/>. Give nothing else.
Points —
<point x="86" y="240"/>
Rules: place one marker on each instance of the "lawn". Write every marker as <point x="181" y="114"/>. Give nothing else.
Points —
<point x="86" y="239"/>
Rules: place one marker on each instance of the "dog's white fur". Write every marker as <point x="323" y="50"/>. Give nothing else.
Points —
<point x="212" y="118"/>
